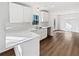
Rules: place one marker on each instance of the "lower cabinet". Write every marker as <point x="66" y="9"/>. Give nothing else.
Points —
<point x="42" y="32"/>
<point x="28" y="48"/>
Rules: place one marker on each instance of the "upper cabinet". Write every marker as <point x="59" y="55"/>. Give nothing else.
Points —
<point x="19" y="13"/>
<point x="27" y="14"/>
<point x="16" y="13"/>
<point x="44" y="16"/>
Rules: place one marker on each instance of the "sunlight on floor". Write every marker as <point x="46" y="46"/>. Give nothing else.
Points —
<point x="68" y="36"/>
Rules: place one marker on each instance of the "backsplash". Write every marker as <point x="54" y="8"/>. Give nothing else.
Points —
<point x="44" y="24"/>
<point x="15" y="27"/>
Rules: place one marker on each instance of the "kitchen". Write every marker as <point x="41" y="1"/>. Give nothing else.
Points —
<point x="21" y="29"/>
<point x="26" y="24"/>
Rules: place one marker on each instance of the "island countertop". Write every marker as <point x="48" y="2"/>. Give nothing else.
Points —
<point x="13" y="39"/>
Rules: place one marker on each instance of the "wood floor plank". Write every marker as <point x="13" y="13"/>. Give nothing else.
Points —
<point x="9" y="52"/>
<point x="61" y="44"/>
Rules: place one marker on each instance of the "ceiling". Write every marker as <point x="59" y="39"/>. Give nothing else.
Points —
<point x="53" y="6"/>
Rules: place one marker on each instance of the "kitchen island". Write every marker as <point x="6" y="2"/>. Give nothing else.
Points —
<point x="24" y="43"/>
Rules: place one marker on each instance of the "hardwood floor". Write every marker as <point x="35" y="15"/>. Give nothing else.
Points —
<point x="61" y="44"/>
<point x="8" y="53"/>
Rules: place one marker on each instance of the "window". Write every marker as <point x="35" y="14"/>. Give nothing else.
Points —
<point x="35" y="20"/>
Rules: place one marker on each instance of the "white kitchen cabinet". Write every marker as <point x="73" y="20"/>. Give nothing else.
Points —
<point x="16" y="13"/>
<point x="42" y="32"/>
<point x="27" y="14"/>
<point x="19" y="13"/>
<point x="37" y="31"/>
<point x="31" y="47"/>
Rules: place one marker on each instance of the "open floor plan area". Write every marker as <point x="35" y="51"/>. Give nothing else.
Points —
<point x="39" y="28"/>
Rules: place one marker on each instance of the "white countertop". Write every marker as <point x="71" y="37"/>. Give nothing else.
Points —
<point x="13" y="39"/>
<point x="45" y="26"/>
<point x="40" y="27"/>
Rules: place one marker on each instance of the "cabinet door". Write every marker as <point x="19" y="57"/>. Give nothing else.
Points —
<point x="31" y="47"/>
<point x="44" y="33"/>
<point x="16" y="13"/>
<point x="27" y="14"/>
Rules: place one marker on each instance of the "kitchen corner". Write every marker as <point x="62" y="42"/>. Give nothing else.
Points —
<point x="25" y="39"/>
<point x="24" y="42"/>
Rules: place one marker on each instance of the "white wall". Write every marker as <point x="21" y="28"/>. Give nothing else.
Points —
<point x="3" y="19"/>
<point x="66" y="16"/>
<point x="70" y="22"/>
<point x="51" y="22"/>
<point x="18" y="27"/>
